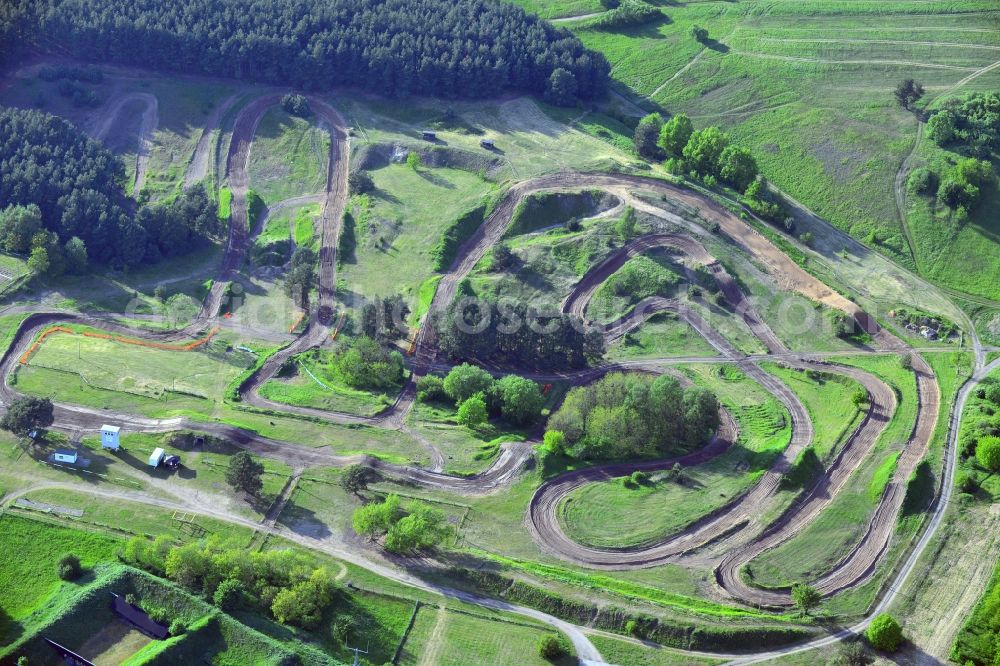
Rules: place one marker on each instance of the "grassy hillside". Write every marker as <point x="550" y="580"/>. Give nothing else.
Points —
<point x="807" y="86"/>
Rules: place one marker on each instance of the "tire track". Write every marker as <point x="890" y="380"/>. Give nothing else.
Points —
<point x="198" y="166"/>
<point x="150" y="120"/>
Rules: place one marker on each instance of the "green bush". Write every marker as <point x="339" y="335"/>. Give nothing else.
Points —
<point x="923" y="181"/>
<point x="884" y="633"/>
<point x="69" y="567"/>
<point x="552" y="647"/>
<point x="988" y="453"/>
<point x="228" y="595"/>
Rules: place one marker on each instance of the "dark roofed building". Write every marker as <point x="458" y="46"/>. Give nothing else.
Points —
<point x="137" y="618"/>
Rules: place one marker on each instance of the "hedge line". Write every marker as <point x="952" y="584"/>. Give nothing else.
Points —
<point x="457" y="233"/>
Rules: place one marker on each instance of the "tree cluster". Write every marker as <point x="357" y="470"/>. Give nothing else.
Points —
<point x="478" y="395"/>
<point x="961" y="188"/>
<point x="383" y="319"/>
<point x="908" y="92"/>
<point x="365" y="364"/>
<point x="626" y="13"/>
<point x="284" y="583"/>
<point x="296" y="104"/>
<point x="417" y="527"/>
<point x="705" y="153"/>
<point x="21" y="232"/>
<point x="518" y="335"/>
<point x="58" y="183"/>
<point x="444" y="48"/>
<point x="176" y="227"/>
<point x="623" y="416"/>
<point x="301" y="276"/>
<point x="971" y="122"/>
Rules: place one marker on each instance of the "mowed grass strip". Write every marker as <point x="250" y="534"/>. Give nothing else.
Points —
<point x="609" y="514"/>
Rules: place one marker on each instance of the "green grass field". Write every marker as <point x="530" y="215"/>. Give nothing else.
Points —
<point x="142" y="519"/>
<point x="30" y="552"/>
<point x="323" y="392"/>
<point x="289" y="158"/>
<point x="142" y="370"/>
<point x="661" y="336"/>
<point x="827" y="398"/>
<point x="396" y="229"/>
<point x="942" y="242"/>
<point x="610" y="514"/>
<point x="807" y="86"/>
<point x="639" y="278"/>
<point x="450" y="638"/>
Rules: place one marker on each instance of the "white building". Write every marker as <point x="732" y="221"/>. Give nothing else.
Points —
<point x="64" y="456"/>
<point x="109" y="437"/>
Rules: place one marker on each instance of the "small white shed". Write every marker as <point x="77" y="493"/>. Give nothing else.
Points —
<point x="109" y="437"/>
<point x="156" y="457"/>
<point x="65" y="456"/>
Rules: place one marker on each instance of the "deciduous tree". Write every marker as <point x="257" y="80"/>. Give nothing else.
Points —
<point x="647" y="134"/>
<point x="27" y="413"/>
<point x="805" y="597"/>
<point x="244" y="473"/>
<point x="675" y="134"/>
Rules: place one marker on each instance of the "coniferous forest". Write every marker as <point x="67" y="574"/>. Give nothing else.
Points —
<point x="444" y="48"/>
<point x="70" y="185"/>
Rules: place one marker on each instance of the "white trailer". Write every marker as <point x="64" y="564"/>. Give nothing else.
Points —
<point x="156" y="457"/>
<point x="109" y="437"/>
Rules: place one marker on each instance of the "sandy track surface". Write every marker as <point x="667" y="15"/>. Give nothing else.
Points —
<point x="102" y="126"/>
<point x="198" y="166"/>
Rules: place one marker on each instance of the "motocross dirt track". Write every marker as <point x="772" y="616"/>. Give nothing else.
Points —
<point x="736" y="522"/>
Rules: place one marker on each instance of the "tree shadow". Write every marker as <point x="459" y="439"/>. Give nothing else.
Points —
<point x="716" y="45"/>
<point x="380" y="193"/>
<point x="10" y="630"/>
<point x="433" y="179"/>
<point x="303" y="521"/>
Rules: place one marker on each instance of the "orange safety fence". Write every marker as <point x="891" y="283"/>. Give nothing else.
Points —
<point x="116" y="338"/>
<point x="413" y="342"/>
<point x="336" y="329"/>
<point x="302" y="315"/>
